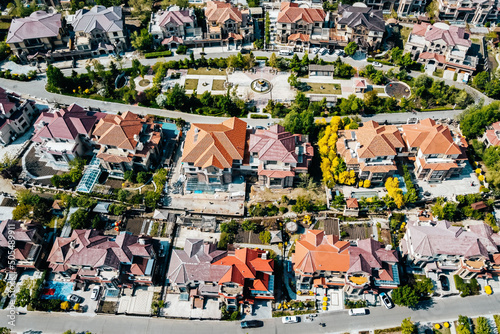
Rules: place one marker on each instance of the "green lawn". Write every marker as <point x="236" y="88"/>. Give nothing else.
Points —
<point x="379" y="90"/>
<point x="218" y="85"/>
<point x="438" y="72"/>
<point x="315" y="88"/>
<point x="191" y="84"/>
<point x="405" y="32"/>
<point x="206" y="71"/>
<point x="443" y="330"/>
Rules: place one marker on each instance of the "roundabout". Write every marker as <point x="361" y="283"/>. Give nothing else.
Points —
<point x="397" y="90"/>
<point x="261" y="86"/>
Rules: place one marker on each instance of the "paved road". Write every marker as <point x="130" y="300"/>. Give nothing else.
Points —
<point x="36" y="89"/>
<point x="446" y="309"/>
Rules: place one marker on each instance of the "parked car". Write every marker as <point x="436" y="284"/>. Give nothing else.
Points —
<point x="95" y="292"/>
<point x="445" y="283"/>
<point x="251" y="324"/>
<point x="323" y="51"/>
<point x="315" y="51"/>
<point x="358" y="311"/>
<point x="386" y="300"/>
<point x="290" y="320"/>
<point x="75" y="299"/>
<point x="377" y="64"/>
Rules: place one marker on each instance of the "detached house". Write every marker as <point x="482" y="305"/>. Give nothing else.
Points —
<point x="16" y="116"/>
<point x="371" y="150"/>
<point x="40" y="32"/>
<point x="212" y="153"/>
<point x="297" y="26"/>
<point x="322" y="260"/>
<point x="443" y="46"/>
<point x="203" y="272"/>
<point x="463" y="11"/>
<point x="439" y="155"/>
<point x="89" y="256"/>
<point x="439" y="247"/>
<point x="360" y="24"/>
<point x="491" y="136"/>
<point x="127" y="142"/>
<point x="227" y="24"/>
<point x="64" y="134"/>
<point x="28" y="239"/>
<point x="174" y="27"/>
<point x="99" y="30"/>
<point x="278" y="156"/>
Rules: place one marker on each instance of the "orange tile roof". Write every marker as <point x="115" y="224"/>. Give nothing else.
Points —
<point x="291" y="13"/>
<point x="119" y="130"/>
<point x="430" y="138"/>
<point x="215" y="144"/>
<point x="437" y="166"/>
<point x="221" y="12"/>
<point x="315" y="251"/>
<point x="352" y="203"/>
<point x="302" y="37"/>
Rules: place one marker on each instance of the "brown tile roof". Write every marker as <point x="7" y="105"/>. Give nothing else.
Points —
<point x="291" y="13"/>
<point x="352" y="203"/>
<point x="215" y="144"/>
<point x="274" y="144"/>
<point x="300" y="37"/>
<point x="121" y="131"/>
<point x="221" y="12"/>
<point x="430" y="138"/>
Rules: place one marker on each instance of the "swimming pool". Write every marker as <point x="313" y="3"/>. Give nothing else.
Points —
<point x="170" y="129"/>
<point x="402" y="183"/>
<point x="57" y="290"/>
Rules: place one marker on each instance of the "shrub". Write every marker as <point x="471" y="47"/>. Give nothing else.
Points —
<point x="261" y="58"/>
<point x="167" y="53"/>
<point x="259" y="116"/>
<point x="265" y="237"/>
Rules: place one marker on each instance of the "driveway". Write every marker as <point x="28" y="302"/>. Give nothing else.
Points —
<point x="176" y="308"/>
<point x="139" y="304"/>
<point x="262" y="309"/>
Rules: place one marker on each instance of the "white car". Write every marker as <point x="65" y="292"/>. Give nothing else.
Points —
<point x="338" y="52"/>
<point x="290" y="320"/>
<point x="323" y="51"/>
<point x="315" y="51"/>
<point x="377" y="64"/>
<point x="95" y="292"/>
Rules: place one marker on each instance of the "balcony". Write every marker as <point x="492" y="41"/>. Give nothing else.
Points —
<point x="231" y="291"/>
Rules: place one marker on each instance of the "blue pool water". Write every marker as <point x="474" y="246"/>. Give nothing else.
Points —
<point x="61" y="290"/>
<point x="402" y="183"/>
<point x="170" y="129"/>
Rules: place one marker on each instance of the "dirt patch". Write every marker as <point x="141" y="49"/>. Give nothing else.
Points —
<point x="144" y="83"/>
<point x="386" y="237"/>
<point x="108" y="307"/>
<point x="356" y="231"/>
<point x="268" y="195"/>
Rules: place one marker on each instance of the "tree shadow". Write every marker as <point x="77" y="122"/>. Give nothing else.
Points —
<point x="424" y="305"/>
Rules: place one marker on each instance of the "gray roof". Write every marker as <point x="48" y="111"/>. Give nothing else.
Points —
<point x="314" y="67"/>
<point x="354" y="16"/>
<point x="39" y="24"/>
<point x="102" y="207"/>
<point x="98" y="18"/>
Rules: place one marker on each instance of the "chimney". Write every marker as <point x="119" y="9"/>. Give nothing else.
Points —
<point x="142" y="241"/>
<point x="388" y="247"/>
<point x="136" y="138"/>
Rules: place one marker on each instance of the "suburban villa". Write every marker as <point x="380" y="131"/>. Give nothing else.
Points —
<point x="62" y="135"/>
<point x="16" y="116"/>
<point x="90" y="256"/>
<point x="28" y="238"/>
<point x="127" y="142"/>
<point x="174" y="27"/>
<point x="279" y="156"/>
<point x="212" y="153"/>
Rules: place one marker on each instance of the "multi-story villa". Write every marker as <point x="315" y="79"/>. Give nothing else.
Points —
<point x="174" y="27"/>
<point x="228" y="24"/>
<point x="16" y="116"/>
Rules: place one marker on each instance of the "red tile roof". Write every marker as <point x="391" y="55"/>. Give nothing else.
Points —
<point x="300" y="37"/>
<point x="121" y="131"/>
<point x="220" y="12"/>
<point x="291" y="13"/>
<point x="352" y="203"/>
<point x="215" y="144"/>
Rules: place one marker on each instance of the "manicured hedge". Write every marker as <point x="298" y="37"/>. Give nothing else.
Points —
<point x="167" y="53"/>
<point x="371" y="60"/>
<point x="259" y="116"/>
<point x="261" y="58"/>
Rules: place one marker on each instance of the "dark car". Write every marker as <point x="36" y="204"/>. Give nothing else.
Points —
<point x="445" y="284"/>
<point x="75" y="299"/>
<point x="251" y="324"/>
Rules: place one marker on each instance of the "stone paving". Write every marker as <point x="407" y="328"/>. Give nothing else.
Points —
<point x="138" y="304"/>
<point x="176" y="308"/>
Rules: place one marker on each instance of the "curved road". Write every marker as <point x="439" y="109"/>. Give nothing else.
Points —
<point x="446" y="309"/>
<point x="36" y="90"/>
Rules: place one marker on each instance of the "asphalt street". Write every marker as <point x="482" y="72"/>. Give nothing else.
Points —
<point x="446" y="309"/>
<point x="36" y="90"/>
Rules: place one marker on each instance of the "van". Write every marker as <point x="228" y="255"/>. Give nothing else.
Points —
<point x="285" y="53"/>
<point x="358" y="311"/>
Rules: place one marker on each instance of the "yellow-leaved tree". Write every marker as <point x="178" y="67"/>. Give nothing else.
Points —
<point x="396" y="193"/>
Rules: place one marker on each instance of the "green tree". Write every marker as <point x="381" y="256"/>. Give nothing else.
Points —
<point x="79" y="219"/>
<point x="23" y="297"/>
<point x="482" y="326"/>
<point x="408" y="327"/>
<point x="405" y="296"/>
<point x="123" y="195"/>
<point x="481" y="80"/>
<point x="55" y="79"/>
<point x="21" y="211"/>
<point x="176" y="96"/>
<point x="463" y="325"/>
<point x="150" y="199"/>
<point x="265" y="237"/>
<point x="142" y="177"/>
<point x="273" y="61"/>
<point x="142" y="41"/>
<point x="351" y="48"/>
<point x="248" y="225"/>
<point x="141" y="8"/>
<point x="293" y="81"/>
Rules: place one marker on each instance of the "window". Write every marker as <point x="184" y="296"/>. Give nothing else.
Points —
<point x="16" y="45"/>
<point x="115" y="34"/>
<point x="271" y="162"/>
